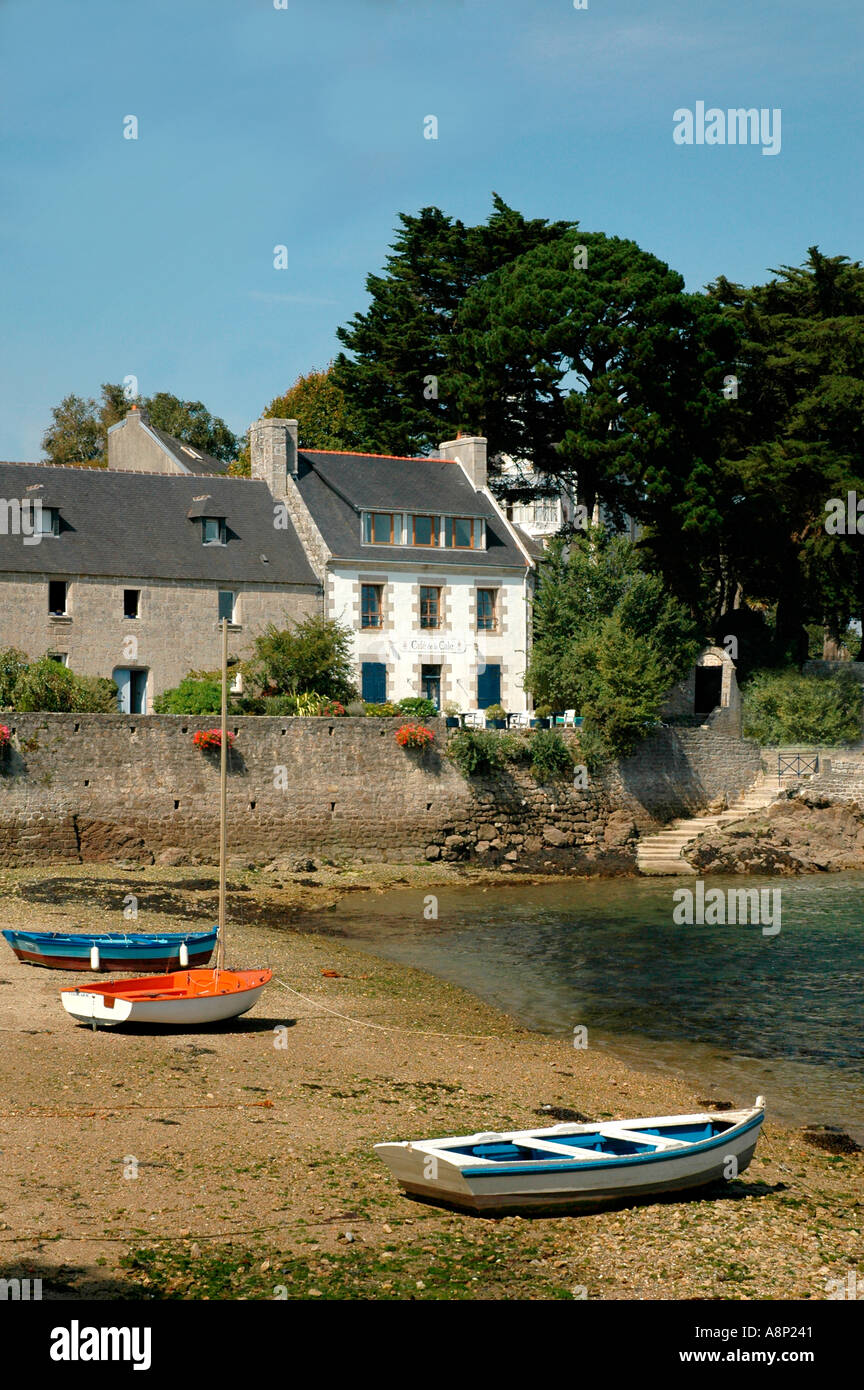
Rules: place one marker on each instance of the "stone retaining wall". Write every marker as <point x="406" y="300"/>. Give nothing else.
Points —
<point x="92" y="787"/>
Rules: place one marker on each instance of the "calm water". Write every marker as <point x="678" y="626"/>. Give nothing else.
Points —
<point x="738" y="1011"/>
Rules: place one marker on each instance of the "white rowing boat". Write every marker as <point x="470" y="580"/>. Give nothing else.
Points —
<point x="578" y="1165"/>
<point x="184" y="998"/>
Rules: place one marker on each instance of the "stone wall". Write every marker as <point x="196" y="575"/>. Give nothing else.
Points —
<point x="176" y="631"/>
<point x="135" y="787"/>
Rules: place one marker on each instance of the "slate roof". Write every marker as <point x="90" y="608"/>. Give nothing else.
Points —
<point x="338" y="487"/>
<point x="136" y="526"/>
<point x="200" y="463"/>
<point x="204" y="463"/>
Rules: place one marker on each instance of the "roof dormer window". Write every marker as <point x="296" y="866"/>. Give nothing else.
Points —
<point x="382" y="528"/>
<point x="464" y="533"/>
<point x="213" y="530"/>
<point x="46" y="521"/>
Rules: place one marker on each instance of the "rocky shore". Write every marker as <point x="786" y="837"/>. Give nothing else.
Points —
<point x="238" y="1162"/>
<point x="799" y="834"/>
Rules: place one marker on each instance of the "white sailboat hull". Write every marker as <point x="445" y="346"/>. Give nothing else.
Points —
<point x="451" y="1171"/>
<point x="104" y="1011"/>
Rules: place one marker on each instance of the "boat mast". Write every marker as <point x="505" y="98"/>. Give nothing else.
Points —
<point x="223" y="799"/>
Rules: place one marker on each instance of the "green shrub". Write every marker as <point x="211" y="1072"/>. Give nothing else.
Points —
<point x="516" y="748"/>
<point x="787" y="707"/>
<point x="313" y="657"/>
<point x="355" y="708"/>
<point x="476" y="752"/>
<point x="382" y="711"/>
<point x="96" y="695"/>
<point x="50" y="686"/>
<point x="13" y="663"/>
<point x="495" y="712"/>
<point x="550" y="756"/>
<point x="246" y="704"/>
<point x="418" y="707"/>
<point x="592" y="750"/>
<point x="279" y="704"/>
<point x="197" y="693"/>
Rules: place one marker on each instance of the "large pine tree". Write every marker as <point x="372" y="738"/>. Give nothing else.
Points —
<point x="397" y="376"/>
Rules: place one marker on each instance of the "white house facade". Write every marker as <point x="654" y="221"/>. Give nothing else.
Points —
<point x="418" y="559"/>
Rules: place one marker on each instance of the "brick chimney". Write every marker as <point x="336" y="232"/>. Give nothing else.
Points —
<point x="273" y="452"/>
<point x="470" y="451"/>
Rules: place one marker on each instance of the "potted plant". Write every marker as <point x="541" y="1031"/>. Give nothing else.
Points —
<point x="496" y="717"/>
<point x="541" y="717"/>
<point x="451" y="716"/>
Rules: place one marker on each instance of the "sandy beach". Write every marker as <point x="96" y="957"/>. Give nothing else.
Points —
<point x="237" y="1162"/>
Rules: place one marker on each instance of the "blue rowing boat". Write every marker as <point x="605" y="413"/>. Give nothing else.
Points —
<point x="113" y="951"/>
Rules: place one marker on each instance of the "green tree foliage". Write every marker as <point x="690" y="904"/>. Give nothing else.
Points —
<point x="787" y="707"/>
<point x="586" y="357"/>
<point x="191" y="422"/>
<point x="75" y="435"/>
<point x="13" y="664"/>
<point x="793" y="439"/>
<point x="316" y="656"/>
<point x="609" y="637"/>
<point x="78" y="433"/>
<point x="322" y="411"/>
<point x="197" y="693"/>
<point x="48" y="685"/>
<point x="403" y="343"/>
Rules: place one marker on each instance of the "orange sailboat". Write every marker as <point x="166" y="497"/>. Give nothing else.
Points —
<point x="187" y="997"/>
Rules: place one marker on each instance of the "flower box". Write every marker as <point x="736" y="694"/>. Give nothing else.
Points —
<point x="209" y="740"/>
<point x="414" y="736"/>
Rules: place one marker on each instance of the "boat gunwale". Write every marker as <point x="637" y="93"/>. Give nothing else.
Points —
<point x="115" y="938"/>
<point x="564" y="1165"/>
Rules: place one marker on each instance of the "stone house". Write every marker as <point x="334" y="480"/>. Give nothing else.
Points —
<point x="128" y="573"/>
<point x="418" y="558"/>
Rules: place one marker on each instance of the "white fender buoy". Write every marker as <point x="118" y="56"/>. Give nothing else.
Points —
<point x="94" y="957"/>
<point x="184" y="955"/>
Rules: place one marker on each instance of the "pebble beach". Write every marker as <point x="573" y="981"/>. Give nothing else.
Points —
<point x="237" y="1162"/>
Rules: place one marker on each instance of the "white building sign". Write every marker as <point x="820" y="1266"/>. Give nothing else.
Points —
<point x="434" y="646"/>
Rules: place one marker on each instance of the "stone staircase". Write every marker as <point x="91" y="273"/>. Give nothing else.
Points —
<point x="663" y="853"/>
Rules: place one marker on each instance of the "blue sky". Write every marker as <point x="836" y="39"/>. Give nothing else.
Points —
<point x="303" y="126"/>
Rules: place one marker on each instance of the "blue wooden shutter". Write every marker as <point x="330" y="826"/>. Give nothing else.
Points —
<point x="489" y="687"/>
<point x="373" y="679"/>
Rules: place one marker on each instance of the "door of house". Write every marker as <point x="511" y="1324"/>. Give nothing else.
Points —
<point x="373" y="682"/>
<point x="709" y="684"/>
<point x="131" y="690"/>
<point x="430" y="684"/>
<point x="489" y="687"/>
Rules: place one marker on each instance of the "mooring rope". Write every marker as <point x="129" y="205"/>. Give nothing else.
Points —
<point x="381" y="1027"/>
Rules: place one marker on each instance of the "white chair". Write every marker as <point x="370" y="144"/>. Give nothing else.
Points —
<point x="569" y="718"/>
<point x="521" y="720"/>
<point x="474" y="719"/>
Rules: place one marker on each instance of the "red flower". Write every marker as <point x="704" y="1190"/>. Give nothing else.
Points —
<point x="414" y="736"/>
<point x="5" y="735"/>
<point x="211" y="738"/>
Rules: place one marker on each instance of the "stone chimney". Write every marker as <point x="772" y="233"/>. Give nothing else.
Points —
<point x="470" y="451"/>
<point x="273" y="452"/>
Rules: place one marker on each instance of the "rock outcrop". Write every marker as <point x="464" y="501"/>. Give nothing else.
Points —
<point x="798" y="834"/>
